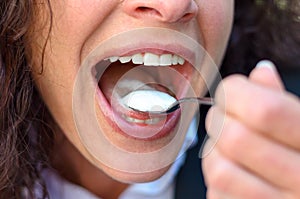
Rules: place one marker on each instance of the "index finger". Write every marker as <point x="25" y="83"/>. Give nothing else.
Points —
<point x="273" y="113"/>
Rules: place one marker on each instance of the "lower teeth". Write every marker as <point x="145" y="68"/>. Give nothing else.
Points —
<point x="150" y="121"/>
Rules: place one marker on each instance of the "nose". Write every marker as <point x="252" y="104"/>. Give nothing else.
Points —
<point x="163" y="10"/>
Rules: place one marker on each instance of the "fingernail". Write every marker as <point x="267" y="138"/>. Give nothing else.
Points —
<point x="266" y="64"/>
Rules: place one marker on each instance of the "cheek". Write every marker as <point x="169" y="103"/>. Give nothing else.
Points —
<point x="72" y="23"/>
<point x="79" y="17"/>
<point x="215" y="18"/>
<point x="216" y="13"/>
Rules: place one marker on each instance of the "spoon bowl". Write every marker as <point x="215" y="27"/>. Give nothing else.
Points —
<point x="153" y="102"/>
<point x="176" y="105"/>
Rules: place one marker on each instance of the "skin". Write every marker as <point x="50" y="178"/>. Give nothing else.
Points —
<point x="267" y="159"/>
<point x="78" y="27"/>
<point x="257" y="157"/>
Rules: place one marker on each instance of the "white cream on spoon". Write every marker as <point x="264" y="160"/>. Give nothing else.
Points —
<point x="157" y="102"/>
<point x="148" y="100"/>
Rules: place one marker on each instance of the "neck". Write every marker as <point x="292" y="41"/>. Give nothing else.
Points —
<point x="76" y="169"/>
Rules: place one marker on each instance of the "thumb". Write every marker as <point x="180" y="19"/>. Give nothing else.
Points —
<point x="265" y="73"/>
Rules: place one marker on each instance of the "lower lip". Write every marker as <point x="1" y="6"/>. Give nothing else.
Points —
<point x="137" y="131"/>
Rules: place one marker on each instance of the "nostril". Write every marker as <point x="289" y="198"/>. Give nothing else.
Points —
<point x="187" y="17"/>
<point x="163" y="11"/>
<point x="143" y="9"/>
<point x="147" y="10"/>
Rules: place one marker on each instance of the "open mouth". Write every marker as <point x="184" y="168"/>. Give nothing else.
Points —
<point x="148" y="59"/>
<point x="151" y="70"/>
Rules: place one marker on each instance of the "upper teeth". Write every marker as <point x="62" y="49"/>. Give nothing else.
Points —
<point x="150" y="59"/>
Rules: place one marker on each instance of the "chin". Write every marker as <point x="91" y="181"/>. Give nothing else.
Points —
<point x="130" y="178"/>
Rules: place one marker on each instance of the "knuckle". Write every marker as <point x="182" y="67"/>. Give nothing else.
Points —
<point x="220" y="177"/>
<point x="228" y="85"/>
<point x="289" y="195"/>
<point x="268" y="108"/>
<point x="211" y="194"/>
<point x="294" y="191"/>
<point x="233" y="80"/>
<point x="234" y="136"/>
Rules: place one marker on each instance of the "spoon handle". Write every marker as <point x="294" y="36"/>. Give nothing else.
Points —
<point x="176" y="105"/>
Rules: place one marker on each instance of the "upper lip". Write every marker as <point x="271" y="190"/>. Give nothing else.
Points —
<point x="154" y="48"/>
<point x="145" y="40"/>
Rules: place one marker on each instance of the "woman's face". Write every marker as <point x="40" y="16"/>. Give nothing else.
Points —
<point x="80" y="26"/>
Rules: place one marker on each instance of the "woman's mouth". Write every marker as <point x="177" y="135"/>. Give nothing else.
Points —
<point x="151" y="69"/>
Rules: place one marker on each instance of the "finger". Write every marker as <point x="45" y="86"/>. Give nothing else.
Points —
<point x="216" y="194"/>
<point x="265" y="74"/>
<point x="214" y="122"/>
<point x="271" y="161"/>
<point x="228" y="179"/>
<point x="267" y="111"/>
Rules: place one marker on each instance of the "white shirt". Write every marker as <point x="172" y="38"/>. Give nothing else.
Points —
<point x="162" y="188"/>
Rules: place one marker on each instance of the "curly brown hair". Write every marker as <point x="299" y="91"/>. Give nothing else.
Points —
<point x="262" y="29"/>
<point x="22" y="113"/>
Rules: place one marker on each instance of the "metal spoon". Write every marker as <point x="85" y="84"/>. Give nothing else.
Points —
<point x="176" y="105"/>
